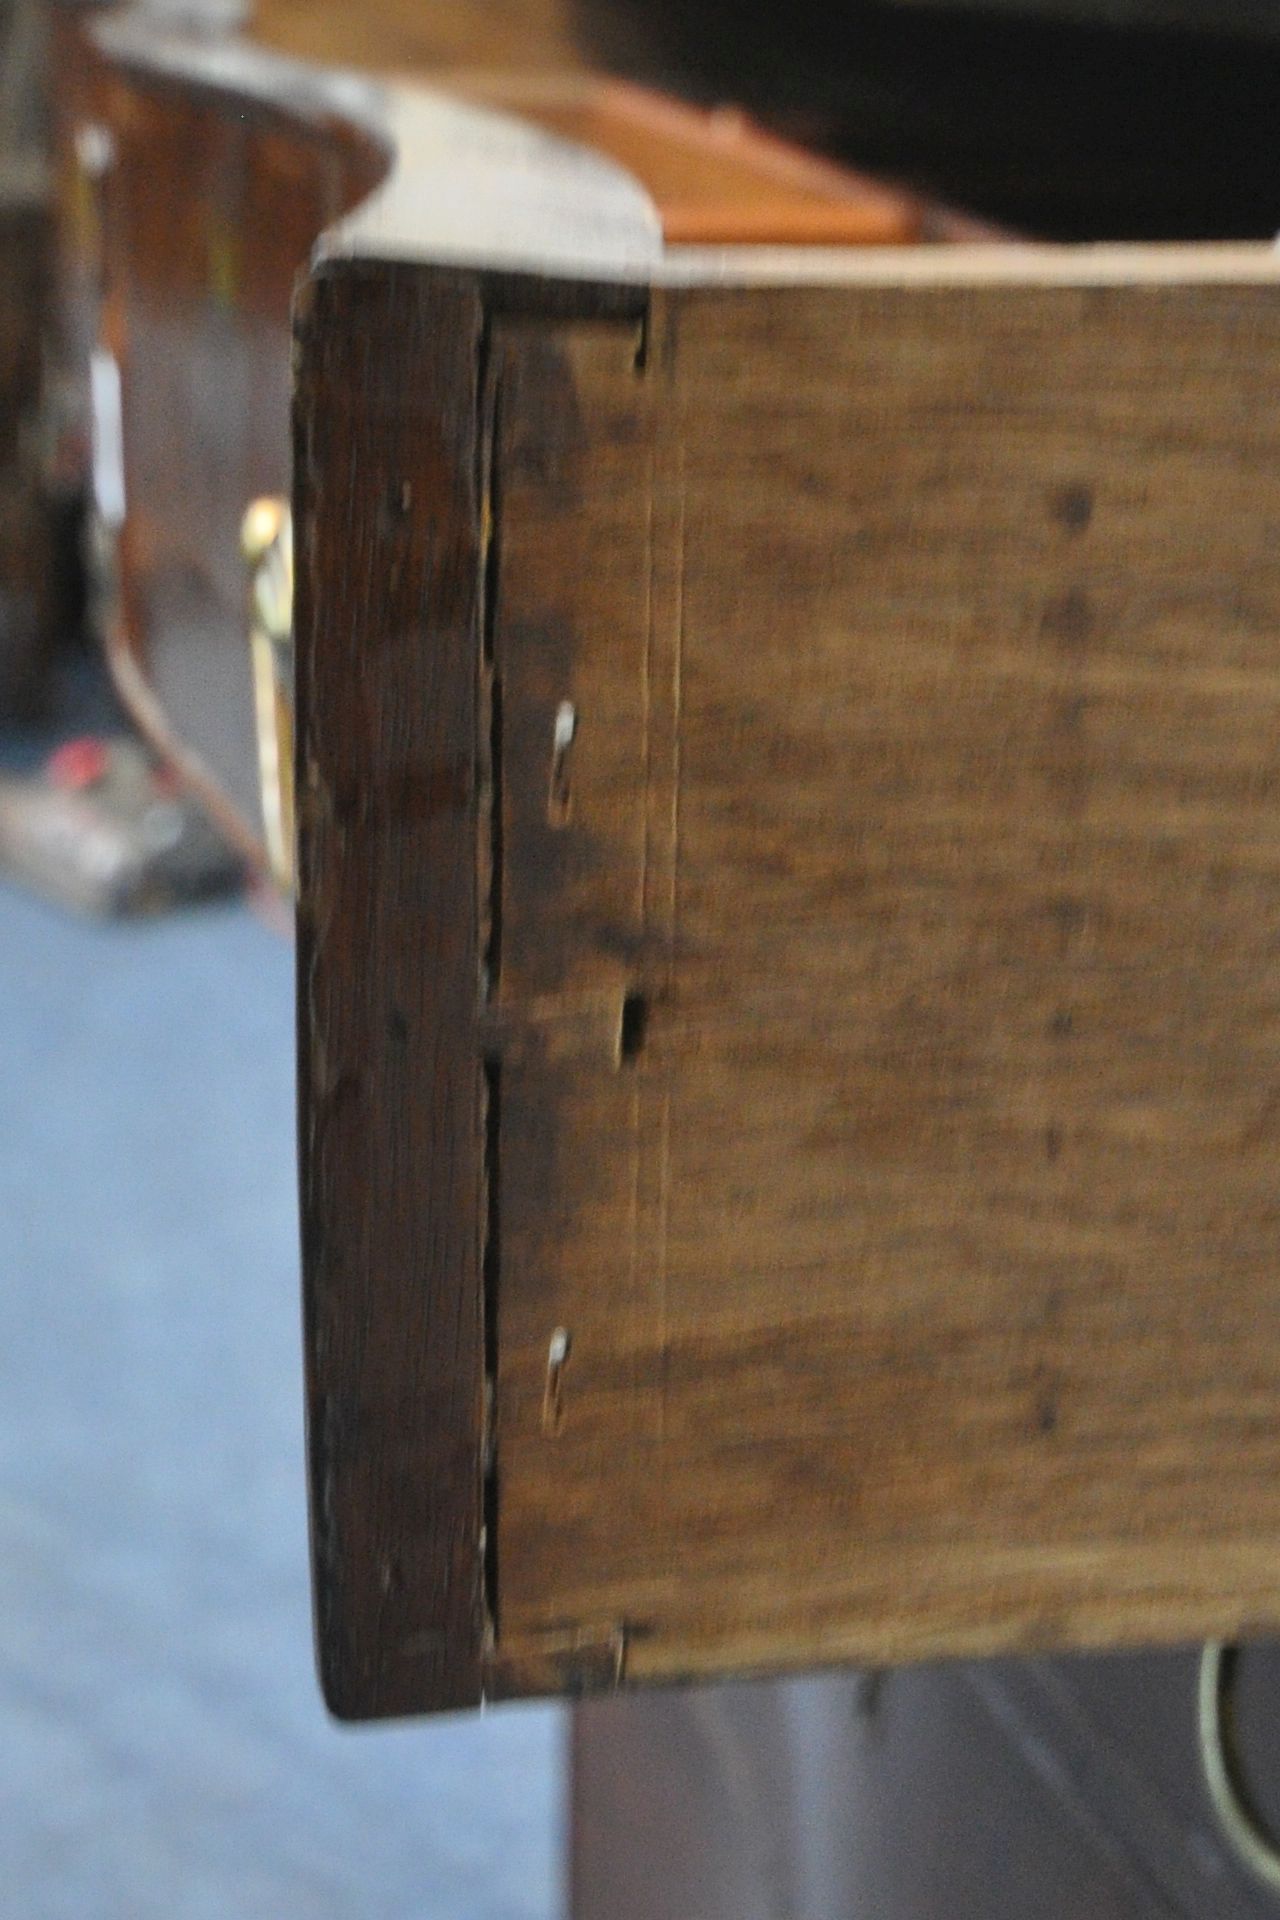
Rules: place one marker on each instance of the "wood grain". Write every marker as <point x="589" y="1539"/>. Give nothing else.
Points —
<point x="388" y="512"/>
<point x="917" y="1273"/>
<point x="874" y="974"/>
<point x="876" y="892"/>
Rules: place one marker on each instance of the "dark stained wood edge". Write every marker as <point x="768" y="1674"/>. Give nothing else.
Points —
<point x="396" y="865"/>
<point x="391" y="1136"/>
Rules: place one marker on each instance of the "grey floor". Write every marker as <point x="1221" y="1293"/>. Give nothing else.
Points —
<point x="163" y="1749"/>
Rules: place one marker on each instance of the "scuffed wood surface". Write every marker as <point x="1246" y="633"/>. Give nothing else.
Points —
<point x="918" y="1271"/>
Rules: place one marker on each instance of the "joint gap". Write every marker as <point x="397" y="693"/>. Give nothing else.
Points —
<point x="491" y="508"/>
<point x="490" y="744"/>
<point x="493" y="934"/>
<point x="490" y="1270"/>
<point x="485" y="442"/>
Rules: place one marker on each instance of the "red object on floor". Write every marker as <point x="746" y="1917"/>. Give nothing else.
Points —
<point x="77" y="764"/>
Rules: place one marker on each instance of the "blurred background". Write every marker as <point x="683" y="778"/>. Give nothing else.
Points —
<point x="164" y="1752"/>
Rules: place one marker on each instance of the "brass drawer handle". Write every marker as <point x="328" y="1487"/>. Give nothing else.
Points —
<point x="266" y="540"/>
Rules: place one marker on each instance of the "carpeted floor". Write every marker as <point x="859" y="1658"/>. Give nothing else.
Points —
<point x="164" y="1754"/>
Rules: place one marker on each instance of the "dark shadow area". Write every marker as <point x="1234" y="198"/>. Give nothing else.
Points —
<point x="1064" y="129"/>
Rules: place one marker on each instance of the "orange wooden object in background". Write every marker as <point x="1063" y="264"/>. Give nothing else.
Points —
<point x="189" y="213"/>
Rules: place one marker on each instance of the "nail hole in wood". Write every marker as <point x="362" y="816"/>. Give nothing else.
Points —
<point x="553" y="1399"/>
<point x="566" y="726"/>
<point x="633" y="1026"/>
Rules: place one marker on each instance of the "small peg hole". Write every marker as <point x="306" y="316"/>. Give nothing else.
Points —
<point x="632" y="1027"/>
